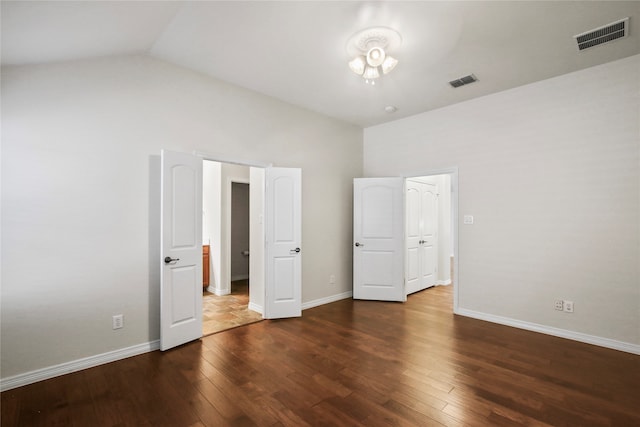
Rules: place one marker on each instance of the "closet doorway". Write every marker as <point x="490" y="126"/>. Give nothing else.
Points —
<point x="429" y="240"/>
<point x="404" y="235"/>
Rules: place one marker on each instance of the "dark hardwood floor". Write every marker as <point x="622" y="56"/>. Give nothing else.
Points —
<point x="349" y="363"/>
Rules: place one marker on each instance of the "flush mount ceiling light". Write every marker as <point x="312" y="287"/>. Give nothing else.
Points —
<point x="369" y="49"/>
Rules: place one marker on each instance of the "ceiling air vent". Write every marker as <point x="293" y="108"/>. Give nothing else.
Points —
<point x="604" y="34"/>
<point x="463" y="80"/>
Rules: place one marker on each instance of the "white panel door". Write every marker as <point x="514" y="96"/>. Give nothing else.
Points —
<point x="181" y="252"/>
<point x="378" y="232"/>
<point x="421" y="234"/>
<point x="429" y="245"/>
<point x="414" y="256"/>
<point x="283" y="230"/>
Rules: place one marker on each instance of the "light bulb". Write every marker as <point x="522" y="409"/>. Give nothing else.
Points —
<point x="375" y="56"/>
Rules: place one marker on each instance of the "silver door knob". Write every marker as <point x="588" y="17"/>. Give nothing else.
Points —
<point x="294" y="251"/>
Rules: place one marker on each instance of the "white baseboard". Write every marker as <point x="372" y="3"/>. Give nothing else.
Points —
<point x="239" y="277"/>
<point x="443" y="282"/>
<point x="76" y="365"/>
<point x="255" y="307"/>
<point x="112" y="356"/>
<point x="549" y="330"/>
<point x="327" y="300"/>
<point x="220" y="292"/>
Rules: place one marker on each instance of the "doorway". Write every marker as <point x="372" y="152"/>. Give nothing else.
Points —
<point x="227" y="234"/>
<point x="276" y="217"/>
<point x="379" y="235"/>
<point x="428" y="232"/>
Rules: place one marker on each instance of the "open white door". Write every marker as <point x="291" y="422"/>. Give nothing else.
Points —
<point x="378" y="233"/>
<point x="421" y="234"/>
<point x="283" y="230"/>
<point x="181" y="237"/>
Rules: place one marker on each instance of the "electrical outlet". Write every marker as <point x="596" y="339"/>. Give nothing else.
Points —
<point x="118" y="321"/>
<point x="558" y="304"/>
<point x="332" y="279"/>
<point x="568" y="306"/>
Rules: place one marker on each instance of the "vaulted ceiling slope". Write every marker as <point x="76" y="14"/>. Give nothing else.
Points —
<point x="296" y="51"/>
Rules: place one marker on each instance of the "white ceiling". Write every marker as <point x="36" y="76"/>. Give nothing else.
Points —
<point x="296" y="50"/>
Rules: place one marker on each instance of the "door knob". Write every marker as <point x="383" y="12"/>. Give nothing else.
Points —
<point x="294" y="251"/>
<point x="421" y="242"/>
<point x="358" y="244"/>
<point x="168" y="260"/>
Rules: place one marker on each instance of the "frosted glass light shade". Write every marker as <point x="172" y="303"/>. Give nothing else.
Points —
<point x="368" y="52"/>
<point x="371" y="73"/>
<point x="389" y="64"/>
<point x="357" y="65"/>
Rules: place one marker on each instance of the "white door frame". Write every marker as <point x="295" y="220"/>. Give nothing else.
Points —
<point x="231" y="160"/>
<point x="453" y="173"/>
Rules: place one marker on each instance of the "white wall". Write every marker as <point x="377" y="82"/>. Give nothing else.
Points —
<point x="256" y="239"/>
<point x="212" y="218"/>
<point x="80" y="194"/>
<point x="550" y="172"/>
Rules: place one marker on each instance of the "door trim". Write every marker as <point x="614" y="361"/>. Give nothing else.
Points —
<point x="231" y="160"/>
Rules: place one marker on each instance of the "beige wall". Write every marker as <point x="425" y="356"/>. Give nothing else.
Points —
<point x="80" y="194"/>
<point x="551" y="173"/>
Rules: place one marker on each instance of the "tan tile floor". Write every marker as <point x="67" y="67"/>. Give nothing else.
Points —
<point x="220" y="313"/>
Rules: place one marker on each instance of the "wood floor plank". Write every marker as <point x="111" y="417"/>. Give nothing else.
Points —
<point x="107" y="405"/>
<point x="349" y="363"/>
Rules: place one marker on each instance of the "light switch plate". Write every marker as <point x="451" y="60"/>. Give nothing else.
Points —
<point x="468" y="219"/>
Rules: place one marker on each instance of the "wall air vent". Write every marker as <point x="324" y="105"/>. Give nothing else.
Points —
<point x="604" y="34"/>
<point x="463" y="80"/>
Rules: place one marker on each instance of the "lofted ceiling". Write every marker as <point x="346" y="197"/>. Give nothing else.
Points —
<point x="295" y="51"/>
